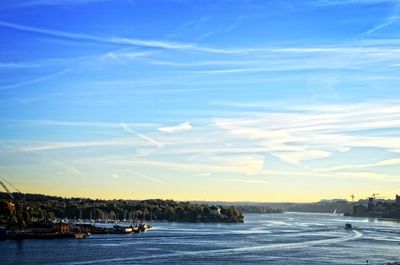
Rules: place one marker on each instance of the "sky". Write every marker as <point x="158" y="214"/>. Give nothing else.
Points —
<point x="240" y="100"/>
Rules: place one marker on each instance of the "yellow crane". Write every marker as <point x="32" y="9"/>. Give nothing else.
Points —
<point x="374" y="195"/>
<point x="11" y="202"/>
<point x="17" y="208"/>
<point x="7" y="190"/>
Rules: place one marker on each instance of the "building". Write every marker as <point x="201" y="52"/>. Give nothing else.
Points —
<point x="360" y="210"/>
<point x="397" y="199"/>
<point x="41" y="228"/>
<point x="62" y="228"/>
<point x="370" y="203"/>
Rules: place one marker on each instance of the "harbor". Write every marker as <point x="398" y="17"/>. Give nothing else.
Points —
<point x="63" y="230"/>
<point x="19" y="223"/>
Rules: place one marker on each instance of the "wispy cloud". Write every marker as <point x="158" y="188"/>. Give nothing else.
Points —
<point x="358" y="175"/>
<point x="318" y="132"/>
<point x="124" y="56"/>
<point x="35" y="80"/>
<point x="67" y="170"/>
<point x="351" y="55"/>
<point x="383" y="163"/>
<point x="71" y="123"/>
<point x="247" y="145"/>
<point x="144" y="176"/>
<point x="185" y="126"/>
<point x="354" y="56"/>
<point x="47" y="146"/>
<point x="152" y="141"/>
<point x="114" y="40"/>
<point x="248" y="181"/>
<point x="4" y="65"/>
<point x="364" y="47"/>
<point x="295" y="157"/>
<point x="294" y="134"/>
<point x="371" y="175"/>
<point x="388" y="21"/>
<point x="33" y="3"/>
<point x="240" y="165"/>
<point x="350" y="2"/>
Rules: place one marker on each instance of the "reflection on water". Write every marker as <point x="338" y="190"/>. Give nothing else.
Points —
<point x="290" y="238"/>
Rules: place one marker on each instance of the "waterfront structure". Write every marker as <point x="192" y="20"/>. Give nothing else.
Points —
<point x="49" y="227"/>
<point x="378" y="209"/>
<point x="41" y="228"/>
<point x="370" y="203"/>
<point x="62" y="228"/>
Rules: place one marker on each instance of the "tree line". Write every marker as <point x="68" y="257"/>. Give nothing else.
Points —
<point x="36" y="208"/>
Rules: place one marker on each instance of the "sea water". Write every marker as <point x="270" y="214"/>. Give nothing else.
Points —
<point x="289" y="238"/>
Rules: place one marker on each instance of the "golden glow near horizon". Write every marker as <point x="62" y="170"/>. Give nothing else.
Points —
<point x="275" y="157"/>
<point x="191" y="187"/>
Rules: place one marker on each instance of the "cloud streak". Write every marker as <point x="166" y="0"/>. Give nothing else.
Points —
<point x="318" y="132"/>
<point x="365" y="47"/>
<point x="30" y="3"/>
<point x="48" y="146"/>
<point x="246" y="181"/>
<point x="388" y="21"/>
<point x="185" y="126"/>
<point x="35" y="80"/>
<point x="153" y="179"/>
<point x="350" y="2"/>
<point x="114" y="40"/>
<point x="241" y="165"/>
<point x="152" y="141"/>
<point x="383" y="163"/>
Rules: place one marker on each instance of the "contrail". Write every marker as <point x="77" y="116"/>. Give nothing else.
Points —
<point x="126" y="128"/>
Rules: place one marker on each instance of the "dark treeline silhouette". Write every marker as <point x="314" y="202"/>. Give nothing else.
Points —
<point x="42" y="207"/>
<point x="257" y="209"/>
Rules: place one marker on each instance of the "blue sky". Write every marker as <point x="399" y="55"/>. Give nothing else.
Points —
<point x="206" y="100"/>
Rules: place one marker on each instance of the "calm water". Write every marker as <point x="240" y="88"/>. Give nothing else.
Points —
<point x="290" y="238"/>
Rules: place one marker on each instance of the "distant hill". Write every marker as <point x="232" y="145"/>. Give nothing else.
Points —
<point x="323" y="206"/>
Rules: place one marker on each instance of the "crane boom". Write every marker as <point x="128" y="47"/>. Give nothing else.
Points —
<point x="11" y="185"/>
<point x="7" y="190"/>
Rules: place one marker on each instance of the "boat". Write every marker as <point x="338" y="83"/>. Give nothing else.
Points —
<point x="143" y="227"/>
<point x="81" y="234"/>
<point x="122" y="229"/>
<point x="348" y="226"/>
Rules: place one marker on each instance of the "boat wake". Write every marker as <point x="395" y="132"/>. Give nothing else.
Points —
<point x="354" y="235"/>
<point x="351" y="236"/>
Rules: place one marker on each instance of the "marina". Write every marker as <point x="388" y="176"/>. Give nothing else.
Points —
<point x="62" y="230"/>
